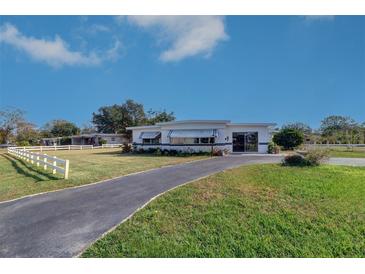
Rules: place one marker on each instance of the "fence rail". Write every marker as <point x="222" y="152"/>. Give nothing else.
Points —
<point x="111" y="145"/>
<point x="44" y="160"/>
<point x="66" y="147"/>
<point x="335" y="145"/>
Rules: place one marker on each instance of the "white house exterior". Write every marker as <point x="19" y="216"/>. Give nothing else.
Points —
<point x="204" y="135"/>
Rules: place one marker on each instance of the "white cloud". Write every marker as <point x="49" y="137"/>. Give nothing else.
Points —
<point x="113" y="53"/>
<point x="95" y="28"/>
<point x="187" y="35"/>
<point x="55" y="53"/>
<point x="313" y="18"/>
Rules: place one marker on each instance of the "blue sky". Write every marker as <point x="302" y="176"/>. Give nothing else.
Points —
<point x="243" y="68"/>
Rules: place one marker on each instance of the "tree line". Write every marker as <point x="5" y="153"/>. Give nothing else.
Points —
<point x="334" y="129"/>
<point x="15" y="129"/>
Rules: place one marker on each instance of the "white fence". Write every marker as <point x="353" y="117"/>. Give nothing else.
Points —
<point x="333" y="145"/>
<point x="111" y="145"/>
<point x="67" y="147"/>
<point x="42" y="160"/>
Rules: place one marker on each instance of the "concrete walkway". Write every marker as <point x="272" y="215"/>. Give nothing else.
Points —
<point x="63" y="223"/>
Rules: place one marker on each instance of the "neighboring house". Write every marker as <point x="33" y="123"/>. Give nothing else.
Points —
<point x="52" y="141"/>
<point x="87" y="139"/>
<point x="96" y="139"/>
<point x="204" y="135"/>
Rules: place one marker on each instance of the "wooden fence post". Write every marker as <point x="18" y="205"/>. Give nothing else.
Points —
<point x="37" y="160"/>
<point x="45" y="162"/>
<point x="54" y="164"/>
<point x="67" y="167"/>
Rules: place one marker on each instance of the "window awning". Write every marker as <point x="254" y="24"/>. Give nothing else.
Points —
<point x="193" y="133"/>
<point x="149" y="135"/>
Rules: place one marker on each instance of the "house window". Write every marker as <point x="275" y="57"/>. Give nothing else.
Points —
<point x="150" y="141"/>
<point x="190" y="141"/>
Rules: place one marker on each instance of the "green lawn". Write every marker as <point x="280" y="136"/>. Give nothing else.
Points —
<point x="251" y="211"/>
<point x="18" y="178"/>
<point x="347" y="154"/>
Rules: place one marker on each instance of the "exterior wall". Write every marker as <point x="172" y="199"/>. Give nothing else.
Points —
<point x="95" y="140"/>
<point x="264" y="135"/>
<point x="222" y="141"/>
<point x="117" y="139"/>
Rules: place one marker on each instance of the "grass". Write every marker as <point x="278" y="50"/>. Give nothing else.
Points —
<point x="251" y="211"/>
<point x="355" y="152"/>
<point x="18" y="178"/>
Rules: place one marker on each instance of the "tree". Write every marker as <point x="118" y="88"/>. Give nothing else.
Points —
<point x="88" y="128"/>
<point x="289" y="138"/>
<point x="304" y="128"/>
<point x="27" y="134"/>
<point x="9" y="121"/>
<point x="115" y="118"/>
<point x="154" y="117"/>
<point x="60" y="128"/>
<point x="109" y="119"/>
<point x="341" y="129"/>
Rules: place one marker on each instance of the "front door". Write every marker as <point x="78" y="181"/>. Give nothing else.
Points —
<point x="238" y="141"/>
<point x="245" y="141"/>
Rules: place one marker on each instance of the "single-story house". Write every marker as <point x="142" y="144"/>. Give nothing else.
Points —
<point x="87" y="139"/>
<point x="204" y="135"/>
<point x="96" y="138"/>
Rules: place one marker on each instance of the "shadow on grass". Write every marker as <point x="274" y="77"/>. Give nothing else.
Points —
<point x="131" y="154"/>
<point x="22" y="168"/>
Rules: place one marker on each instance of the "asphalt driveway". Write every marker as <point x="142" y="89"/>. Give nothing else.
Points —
<point x="63" y="223"/>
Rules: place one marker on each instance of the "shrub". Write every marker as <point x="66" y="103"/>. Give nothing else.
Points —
<point x="309" y="158"/>
<point x="173" y="152"/>
<point x="151" y="150"/>
<point x="294" y="160"/>
<point x="23" y="143"/>
<point x="289" y="138"/>
<point x="126" y="148"/>
<point x="158" y="152"/>
<point x="315" y="157"/>
<point x="102" y="142"/>
<point x="273" y="148"/>
<point x="217" y="152"/>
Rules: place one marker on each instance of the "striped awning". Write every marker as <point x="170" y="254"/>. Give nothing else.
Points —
<point x="150" y="135"/>
<point x="193" y="133"/>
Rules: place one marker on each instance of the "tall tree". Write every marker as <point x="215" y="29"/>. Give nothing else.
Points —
<point x="108" y="119"/>
<point x="339" y="129"/>
<point x="9" y="121"/>
<point x="60" y="128"/>
<point x="88" y="128"/>
<point x="27" y="134"/>
<point x="154" y="117"/>
<point x="115" y="118"/>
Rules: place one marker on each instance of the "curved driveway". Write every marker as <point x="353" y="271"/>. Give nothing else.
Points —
<point x="63" y="223"/>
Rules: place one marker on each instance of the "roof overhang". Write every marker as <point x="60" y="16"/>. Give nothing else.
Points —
<point x="192" y="133"/>
<point x="252" y="124"/>
<point x="150" y="135"/>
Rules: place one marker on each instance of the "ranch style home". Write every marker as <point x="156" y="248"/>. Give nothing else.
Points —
<point x="87" y="139"/>
<point x="204" y="135"/>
